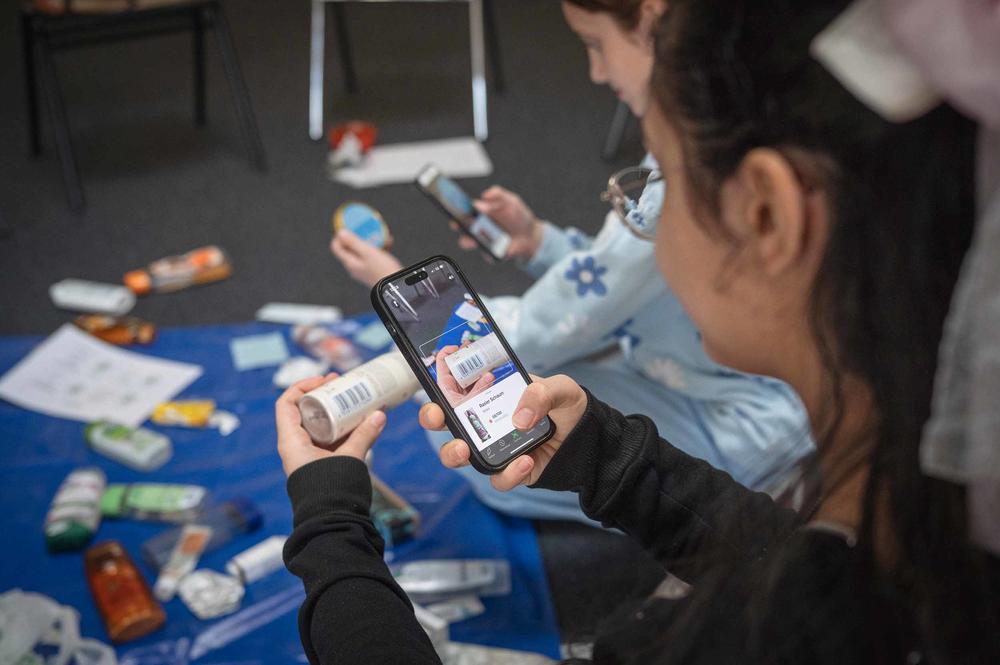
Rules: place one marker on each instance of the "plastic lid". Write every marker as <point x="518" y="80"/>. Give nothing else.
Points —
<point x="139" y="281"/>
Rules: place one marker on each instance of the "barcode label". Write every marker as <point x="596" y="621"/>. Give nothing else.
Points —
<point x="468" y="366"/>
<point x="353" y="398"/>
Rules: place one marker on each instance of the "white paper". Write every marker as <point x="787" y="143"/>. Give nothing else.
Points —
<point x="457" y="158"/>
<point x="75" y="375"/>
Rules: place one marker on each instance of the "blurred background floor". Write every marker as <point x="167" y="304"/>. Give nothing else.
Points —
<point x="158" y="185"/>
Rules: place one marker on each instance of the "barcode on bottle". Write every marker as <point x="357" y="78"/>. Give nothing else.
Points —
<point x="353" y="398"/>
<point x="468" y="366"/>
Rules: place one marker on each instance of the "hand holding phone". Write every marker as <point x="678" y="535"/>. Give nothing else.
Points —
<point x="512" y="214"/>
<point x="460" y="357"/>
<point x="459" y="206"/>
<point x="558" y="398"/>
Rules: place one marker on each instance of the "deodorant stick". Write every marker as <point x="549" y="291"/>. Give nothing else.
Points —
<point x="469" y="363"/>
<point x="336" y="408"/>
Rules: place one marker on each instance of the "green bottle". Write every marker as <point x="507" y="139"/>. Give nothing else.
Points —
<point x="157" y="502"/>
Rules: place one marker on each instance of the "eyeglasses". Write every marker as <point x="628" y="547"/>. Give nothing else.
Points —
<point x="623" y="192"/>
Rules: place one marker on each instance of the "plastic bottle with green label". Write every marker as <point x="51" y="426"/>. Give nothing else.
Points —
<point x="74" y="516"/>
<point x="138" y="448"/>
<point x="153" y="501"/>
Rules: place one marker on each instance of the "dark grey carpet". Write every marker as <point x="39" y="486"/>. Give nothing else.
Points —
<point x="157" y="185"/>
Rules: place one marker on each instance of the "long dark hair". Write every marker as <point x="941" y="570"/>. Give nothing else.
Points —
<point x="626" y="12"/>
<point x="733" y="75"/>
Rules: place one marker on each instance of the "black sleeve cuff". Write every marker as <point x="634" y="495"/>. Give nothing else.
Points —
<point x="333" y="484"/>
<point x="584" y="453"/>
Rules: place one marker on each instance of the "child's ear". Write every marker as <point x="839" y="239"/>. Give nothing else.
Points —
<point x="768" y="210"/>
<point x="649" y="13"/>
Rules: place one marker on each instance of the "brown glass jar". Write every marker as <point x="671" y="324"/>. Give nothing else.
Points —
<point x="122" y="596"/>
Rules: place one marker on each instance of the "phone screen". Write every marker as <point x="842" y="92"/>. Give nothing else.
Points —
<point x="459" y="206"/>
<point x="464" y="357"/>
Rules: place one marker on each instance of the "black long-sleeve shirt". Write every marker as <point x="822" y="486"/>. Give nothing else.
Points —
<point x="765" y="589"/>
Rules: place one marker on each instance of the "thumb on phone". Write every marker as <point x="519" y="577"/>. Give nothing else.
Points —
<point x="559" y="397"/>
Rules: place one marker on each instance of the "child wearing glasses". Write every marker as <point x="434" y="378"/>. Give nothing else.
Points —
<point x="599" y="311"/>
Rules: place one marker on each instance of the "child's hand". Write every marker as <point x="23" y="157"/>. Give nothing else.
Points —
<point x="294" y="445"/>
<point x="365" y="263"/>
<point x="558" y="397"/>
<point x="510" y="213"/>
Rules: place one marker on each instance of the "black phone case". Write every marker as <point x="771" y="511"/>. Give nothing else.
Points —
<point x="447" y="213"/>
<point x="413" y="359"/>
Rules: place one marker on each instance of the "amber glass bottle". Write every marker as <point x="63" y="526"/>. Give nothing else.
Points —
<point x="121" y="594"/>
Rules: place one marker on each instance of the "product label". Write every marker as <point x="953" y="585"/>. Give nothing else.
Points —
<point x="469" y="366"/>
<point x="353" y="398"/>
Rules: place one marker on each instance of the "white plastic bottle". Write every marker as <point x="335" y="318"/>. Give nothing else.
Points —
<point x="336" y="408"/>
<point x="85" y="296"/>
<point x="470" y="363"/>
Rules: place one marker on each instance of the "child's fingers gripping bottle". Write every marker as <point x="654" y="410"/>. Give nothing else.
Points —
<point x="469" y="363"/>
<point x="336" y="408"/>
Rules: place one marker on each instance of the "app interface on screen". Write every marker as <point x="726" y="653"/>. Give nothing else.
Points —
<point x="464" y="357"/>
<point x="460" y="206"/>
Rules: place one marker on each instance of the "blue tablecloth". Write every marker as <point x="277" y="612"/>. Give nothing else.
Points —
<point x="39" y="451"/>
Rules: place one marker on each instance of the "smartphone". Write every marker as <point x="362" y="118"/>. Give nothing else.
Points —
<point x="455" y="203"/>
<point x="460" y="357"/>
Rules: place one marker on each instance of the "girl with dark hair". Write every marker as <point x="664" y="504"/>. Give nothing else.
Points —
<point x="808" y="238"/>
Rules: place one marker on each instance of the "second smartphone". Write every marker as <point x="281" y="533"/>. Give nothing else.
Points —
<point x="460" y="357"/>
<point x="455" y="203"/>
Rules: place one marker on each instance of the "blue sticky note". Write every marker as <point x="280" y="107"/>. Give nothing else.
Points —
<point x="255" y="351"/>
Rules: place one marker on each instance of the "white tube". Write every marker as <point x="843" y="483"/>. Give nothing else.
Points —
<point x="334" y="409"/>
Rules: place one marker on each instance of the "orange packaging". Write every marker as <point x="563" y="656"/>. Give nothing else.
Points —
<point x="365" y="132"/>
<point x="199" y="266"/>
<point x="118" y="330"/>
<point x="122" y="596"/>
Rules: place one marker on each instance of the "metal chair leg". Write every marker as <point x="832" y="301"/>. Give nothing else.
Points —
<point x="317" y="43"/>
<point x="60" y="128"/>
<point x="478" y="69"/>
<point x="31" y="84"/>
<point x="493" y="44"/>
<point x="344" y="44"/>
<point x="238" y="87"/>
<point x="613" y="142"/>
<point x="198" y="45"/>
